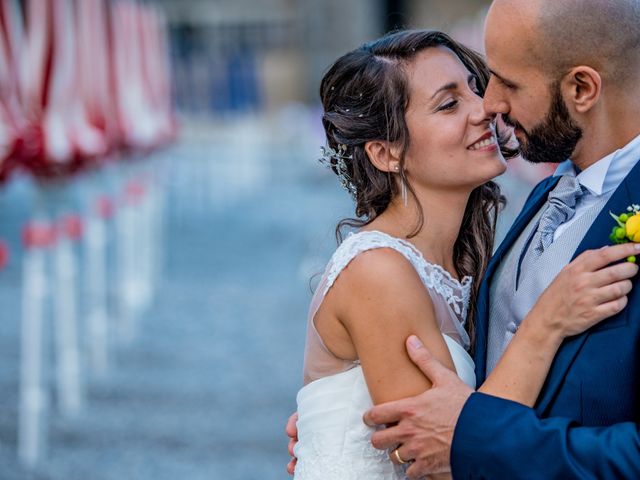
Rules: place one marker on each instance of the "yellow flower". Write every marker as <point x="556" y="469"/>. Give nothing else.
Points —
<point x="633" y="228"/>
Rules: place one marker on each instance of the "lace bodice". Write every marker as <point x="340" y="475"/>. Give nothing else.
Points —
<point x="334" y="443"/>
<point x="455" y="293"/>
<point x="450" y="298"/>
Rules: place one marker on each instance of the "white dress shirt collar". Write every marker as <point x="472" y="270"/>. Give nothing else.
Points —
<point x="607" y="173"/>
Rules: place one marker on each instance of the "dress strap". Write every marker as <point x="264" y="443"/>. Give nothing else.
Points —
<point x="357" y="243"/>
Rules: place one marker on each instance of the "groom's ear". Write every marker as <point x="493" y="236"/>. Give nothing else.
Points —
<point x="581" y="88"/>
<point x="383" y="155"/>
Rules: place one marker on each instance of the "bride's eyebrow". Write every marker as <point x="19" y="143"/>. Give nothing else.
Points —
<point x="452" y="86"/>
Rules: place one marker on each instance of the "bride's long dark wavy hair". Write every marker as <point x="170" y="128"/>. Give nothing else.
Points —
<point x="365" y="95"/>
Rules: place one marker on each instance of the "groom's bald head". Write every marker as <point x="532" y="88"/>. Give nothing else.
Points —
<point x="560" y="34"/>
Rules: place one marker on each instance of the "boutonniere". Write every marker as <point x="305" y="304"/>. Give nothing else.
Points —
<point x="627" y="227"/>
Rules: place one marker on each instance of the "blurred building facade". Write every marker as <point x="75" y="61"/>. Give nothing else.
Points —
<point x="238" y="56"/>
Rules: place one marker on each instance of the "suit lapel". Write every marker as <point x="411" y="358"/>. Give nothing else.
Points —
<point x="597" y="236"/>
<point x="534" y="202"/>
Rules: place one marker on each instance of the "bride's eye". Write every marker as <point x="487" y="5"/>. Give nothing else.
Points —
<point x="448" y="106"/>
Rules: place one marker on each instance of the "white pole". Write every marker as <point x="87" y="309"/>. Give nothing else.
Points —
<point x="69" y="386"/>
<point x="34" y="398"/>
<point x="146" y="246"/>
<point x="157" y="233"/>
<point x="126" y="260"/>
<point x="96" y="277"/>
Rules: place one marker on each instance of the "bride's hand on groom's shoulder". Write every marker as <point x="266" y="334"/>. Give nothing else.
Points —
<point x="292" y="432"/>
<point x="591" y="288"/>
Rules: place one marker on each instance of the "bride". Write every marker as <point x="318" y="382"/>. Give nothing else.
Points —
<point x="408" y="137"/>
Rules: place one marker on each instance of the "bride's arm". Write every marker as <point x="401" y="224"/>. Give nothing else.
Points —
<point x="381" y="301"/>
<point x="584" y="293"/>
<point x="523" y="368"/>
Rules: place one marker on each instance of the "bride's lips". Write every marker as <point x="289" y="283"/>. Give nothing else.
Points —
<point x="485" y="143"/>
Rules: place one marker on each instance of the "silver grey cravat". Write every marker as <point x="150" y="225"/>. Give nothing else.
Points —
<point x="560" y="208"/>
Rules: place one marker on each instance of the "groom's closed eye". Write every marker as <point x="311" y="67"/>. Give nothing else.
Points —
<point x="506" y="83"/>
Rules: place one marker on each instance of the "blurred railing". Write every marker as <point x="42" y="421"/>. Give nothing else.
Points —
<point x="85" y="108"/>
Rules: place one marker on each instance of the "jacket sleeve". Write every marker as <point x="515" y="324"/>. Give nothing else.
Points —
<point x="496" y="438"/>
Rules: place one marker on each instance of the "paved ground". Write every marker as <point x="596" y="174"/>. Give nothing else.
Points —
<point x="205" y="389"/>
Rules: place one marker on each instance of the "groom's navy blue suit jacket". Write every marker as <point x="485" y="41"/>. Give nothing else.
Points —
<point x="586" y="422"/>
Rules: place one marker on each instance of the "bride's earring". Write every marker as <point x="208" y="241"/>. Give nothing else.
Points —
<point x="403" y="190"/>
<point x="403" y="186"/>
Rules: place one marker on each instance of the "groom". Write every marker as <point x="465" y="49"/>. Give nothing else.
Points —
<point x="566" y="75"/>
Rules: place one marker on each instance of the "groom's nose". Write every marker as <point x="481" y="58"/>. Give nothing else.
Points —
<point x="494" y="99"/>
<point x="480" y="115"/>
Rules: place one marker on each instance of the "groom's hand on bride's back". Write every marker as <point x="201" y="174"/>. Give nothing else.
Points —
<point x="292" y="432"/>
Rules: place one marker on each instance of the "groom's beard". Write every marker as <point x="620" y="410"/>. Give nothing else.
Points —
<point x="555" y="138"/>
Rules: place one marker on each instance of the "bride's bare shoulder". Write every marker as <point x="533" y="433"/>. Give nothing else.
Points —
<point x="380" y="277"/>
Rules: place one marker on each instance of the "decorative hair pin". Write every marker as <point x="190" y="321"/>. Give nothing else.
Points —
<point x="336" y="160"/>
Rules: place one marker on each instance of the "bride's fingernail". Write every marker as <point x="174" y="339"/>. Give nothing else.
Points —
<point x="636" y="246"/>
<point x="415" y="342"/>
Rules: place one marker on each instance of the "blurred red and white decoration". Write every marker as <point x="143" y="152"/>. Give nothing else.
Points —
<point x="85" y="107"/>
<point x="81" y="79"/>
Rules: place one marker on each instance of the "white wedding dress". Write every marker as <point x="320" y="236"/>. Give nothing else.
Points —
<point x="333" y="442"/>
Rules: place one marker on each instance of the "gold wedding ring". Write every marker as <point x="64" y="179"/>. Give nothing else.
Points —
<point x="398" y="457"/>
